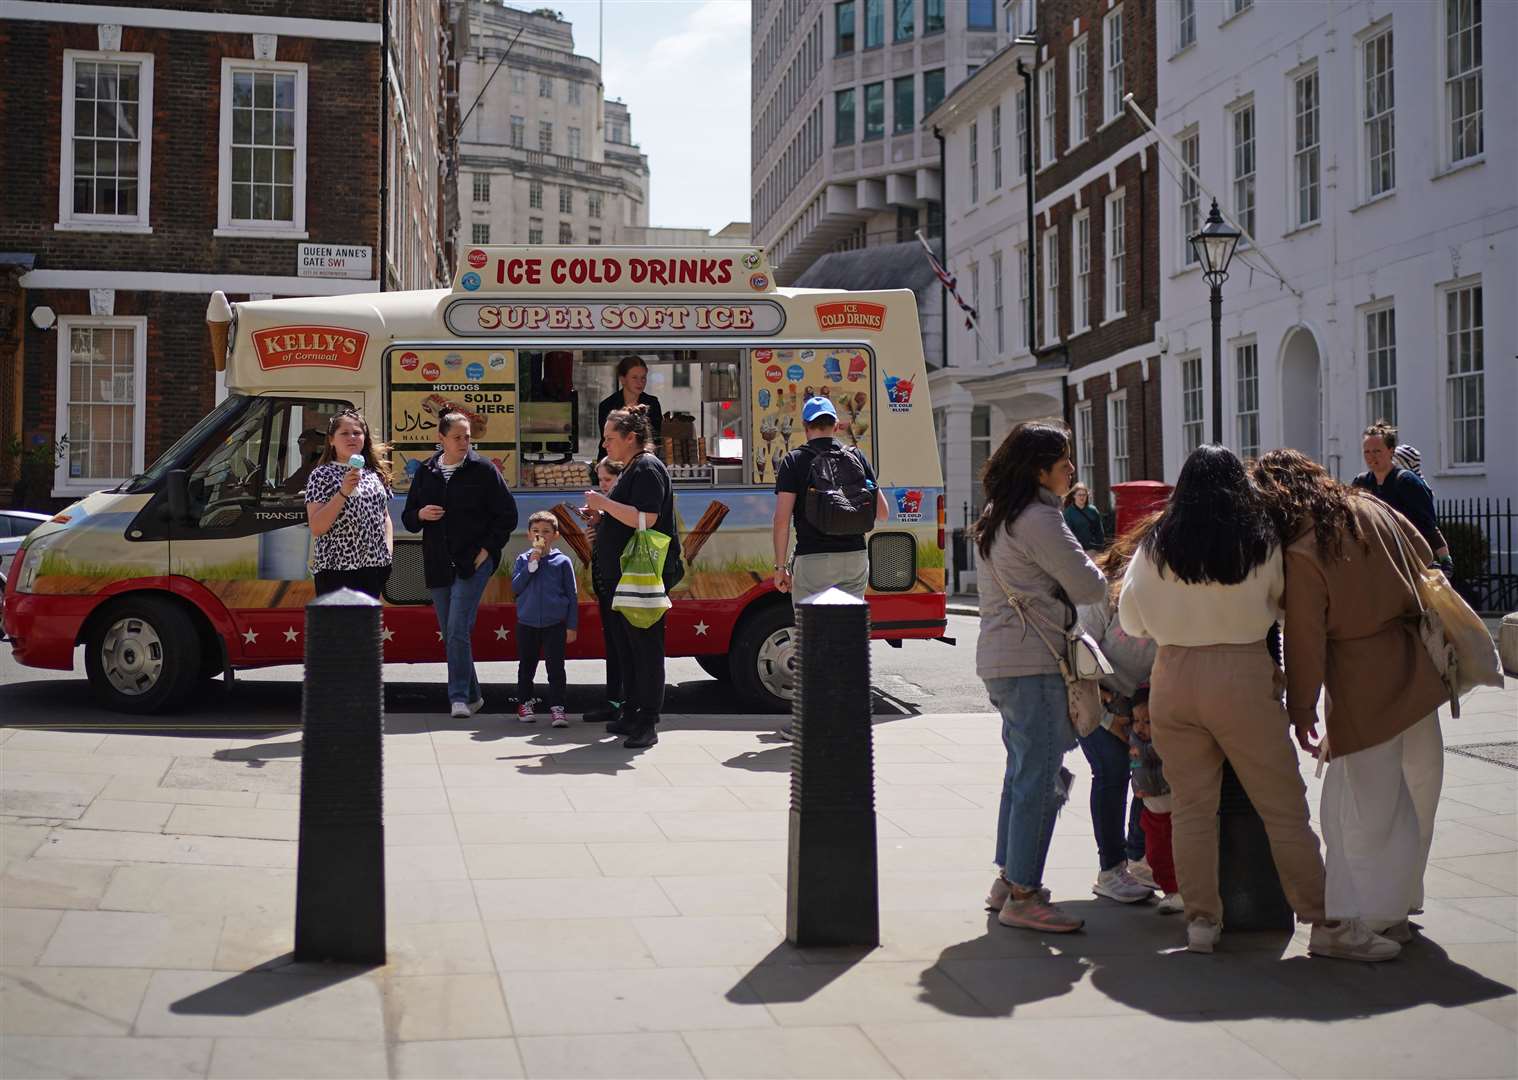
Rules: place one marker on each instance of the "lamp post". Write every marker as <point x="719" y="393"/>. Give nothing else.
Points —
<point x="1214" y="246"/>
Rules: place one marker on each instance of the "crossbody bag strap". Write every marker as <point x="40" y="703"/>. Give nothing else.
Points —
<point x="1019" y="604"/>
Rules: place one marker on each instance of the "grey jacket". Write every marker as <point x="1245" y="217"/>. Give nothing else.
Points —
<point x="1131" y="657"/>
<point x="1040" y="559"/>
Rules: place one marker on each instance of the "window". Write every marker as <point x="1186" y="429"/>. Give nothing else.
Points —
<point x="482" y="187"/>
<point x="1080" y="299"/>
<point x="1238" y="7"/>
<point x="1022" y="134"/>
<point x="1465" y="378"/>
<point x="974" y="163"/>
<point x="874" y="23"/>
<point x="1019" y="17"/>
<point x="263" y="146"/>
<point x="1246" y="361"/>
<point x="1185" y="24"/>
<point x="1191" y="195"/>
<point x="480" y="234"/>
<point x="107" y="136"/>
<point x="535" y="230"/>
<point x="1051" y="286"/>
<point x="545" y="86"/>
<point x="1305" y="153"/>
<point x="1192" y="416"/>
<point x="1113" y="82"/>
<point x="980" y="453"/>
<point x="101" y="383"/>
<point x="545" y="136"/>
<point x="1462" y="78"/>
<point x="518" y="82"/>
<point x="261" y="462"/>
<point x="996" y="147"/>
<point x="593" y="203"/>
<point x="574" y="142"/>
<point x="566" y="233"/>
<point x="997" y="304"/>
<point x="1117" y="250"/>
<point x="1046" y="116"/>
<point x="566" y="200"/>
<point x="1022" y="298"/>
<point x="1380" y="115"/>
<point x="535" y="194"/>
<point x="902" y="94"/>
<point x="680" y="376"/>
<point x="843" y="117"/>
<point x="843" y="28"/>
<point x="574" y="92"/>
<point x="1381" y="365"/>
<point x="981" y="15"/>
<point x="932" y="90"/>
<point x="874" y="111"/>
<point x="901" y="29"/>
<point x="1117" y="438"/>
<point x="975" y="303"/>
<point x="1085" y="445"/>
<point x="1243" y="167"/>
<point x="518" y="131"/>
<point x="932" y="16"/>
<point x="593" y="236"/>
<point x="1078" y="92"/>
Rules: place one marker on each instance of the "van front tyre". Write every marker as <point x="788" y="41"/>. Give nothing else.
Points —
<point x="763" y="657"/>
<point x="142" y="655"/>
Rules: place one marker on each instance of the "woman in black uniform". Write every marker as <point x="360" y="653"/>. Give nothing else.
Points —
<point x="632" y="377"/>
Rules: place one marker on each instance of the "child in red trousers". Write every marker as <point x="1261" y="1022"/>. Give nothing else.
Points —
<point x="1149" y="785"/>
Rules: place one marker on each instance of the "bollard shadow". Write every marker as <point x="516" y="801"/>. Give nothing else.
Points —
<point x="269" y="985"/>
<point x="256" y="757"/>
<point x="788" y="975"/>
<point x="775" y="758"/>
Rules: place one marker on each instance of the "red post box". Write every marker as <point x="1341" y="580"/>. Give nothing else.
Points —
<point x="1137" y="499"/>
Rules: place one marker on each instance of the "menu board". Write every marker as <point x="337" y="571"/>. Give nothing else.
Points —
<point x="780" y="380"/>
<point x="426" y="383"/>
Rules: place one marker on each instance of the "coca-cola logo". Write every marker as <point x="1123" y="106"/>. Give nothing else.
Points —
<point x="409" y="361"/>
<point x="477" y="258"/>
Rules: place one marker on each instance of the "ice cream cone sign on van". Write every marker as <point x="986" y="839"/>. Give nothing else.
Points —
<point x="201" y="564"/>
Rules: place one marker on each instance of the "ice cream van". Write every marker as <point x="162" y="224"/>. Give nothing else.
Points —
<point x="200" y="565"/>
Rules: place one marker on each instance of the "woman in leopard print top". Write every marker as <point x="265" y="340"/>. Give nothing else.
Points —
<point x="349" y="510"/>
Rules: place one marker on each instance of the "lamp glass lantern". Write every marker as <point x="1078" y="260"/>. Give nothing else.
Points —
<point x="1215" y="244"/>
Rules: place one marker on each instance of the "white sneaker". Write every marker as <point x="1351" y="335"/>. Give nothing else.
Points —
<point x="1117" y="884"/>
<point x="1171" y="904"/>
<point x="1350" y="939"/>
<point x="1400" y="931"/>
<point x="476" y="705"/>
<point x="460" y="711"/>
<point x="1138" y="870"/>
<point x="1202" y="935"/>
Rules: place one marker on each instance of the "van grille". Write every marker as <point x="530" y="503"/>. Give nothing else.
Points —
<point x="893" y="561"/>
<point x="407" y="584"/>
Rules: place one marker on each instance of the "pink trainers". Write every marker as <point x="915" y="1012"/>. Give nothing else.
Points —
<point x="524" y="713"/>
<point x="559" y="719"/>
<point x="1035" y="912"/>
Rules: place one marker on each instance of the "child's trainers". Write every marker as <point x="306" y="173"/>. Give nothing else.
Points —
<point x="559" y="719"/>
<point x="524" y="713"/>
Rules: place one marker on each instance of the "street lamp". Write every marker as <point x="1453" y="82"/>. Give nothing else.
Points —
<point x="1214" y="246"/>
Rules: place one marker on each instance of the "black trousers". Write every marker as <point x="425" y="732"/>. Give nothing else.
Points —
<point x="547" y="642"/>
<point x="369" y="580"/>
<point x="615" y="691"/>
<point x="641" y="656"/>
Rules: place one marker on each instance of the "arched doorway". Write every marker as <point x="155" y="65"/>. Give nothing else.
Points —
<point x="1302" y="393"/>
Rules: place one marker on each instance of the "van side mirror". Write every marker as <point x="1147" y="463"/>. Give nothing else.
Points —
<point x="179" y="496"/>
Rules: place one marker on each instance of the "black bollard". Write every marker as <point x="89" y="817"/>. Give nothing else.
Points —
<point x="340" y="875"/>
<point x="1247" y="878"/>
<point x="832" y="889"/>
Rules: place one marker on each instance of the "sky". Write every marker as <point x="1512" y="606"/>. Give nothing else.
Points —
<point x="682" y="67"/>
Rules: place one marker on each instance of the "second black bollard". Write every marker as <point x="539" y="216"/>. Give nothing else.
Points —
<point x="340" y="875"/>
<point x="832" y="888"/>
<point x="1247" y="880"/>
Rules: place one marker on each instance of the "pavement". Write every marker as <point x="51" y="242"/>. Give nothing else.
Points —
<point x="558" y="907"/>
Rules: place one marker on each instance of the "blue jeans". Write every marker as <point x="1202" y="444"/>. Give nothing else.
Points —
<point x="1118" y="835"/>
<point x="456" y="607"/>
<point x="1035" y="728"/>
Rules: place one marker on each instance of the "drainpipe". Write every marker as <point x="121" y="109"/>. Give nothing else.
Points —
<point x="1027" y="148"/>
<point x="384" y="163"/>
<point x="943" y="207"/>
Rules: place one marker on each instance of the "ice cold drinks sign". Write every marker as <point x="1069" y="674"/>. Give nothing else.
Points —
<point x="687" y="271"/>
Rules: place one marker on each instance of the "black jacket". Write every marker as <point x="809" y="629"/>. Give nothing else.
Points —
<point x="480" y="513"/>
<point x="1407" y="494"/>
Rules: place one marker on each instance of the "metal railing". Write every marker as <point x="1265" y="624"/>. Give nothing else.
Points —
<point x="962" y="554"/>
<point x="1480" y="536"/>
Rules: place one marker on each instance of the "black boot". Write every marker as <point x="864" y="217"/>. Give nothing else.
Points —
<point x="643" y="734"/>
<point x="624" y="723"/>
<point x="606" y="714"/>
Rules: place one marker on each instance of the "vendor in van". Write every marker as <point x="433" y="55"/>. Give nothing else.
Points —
<point x="632" y="377"/>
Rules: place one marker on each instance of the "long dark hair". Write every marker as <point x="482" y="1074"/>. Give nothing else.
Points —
<point x="376" y="454"/>
<point x="1214" y="528"/>
<point x="1297" y="492"/>
<point x="1010" y="477"/>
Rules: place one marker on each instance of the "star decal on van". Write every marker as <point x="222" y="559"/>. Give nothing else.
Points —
<point x="501" y="633"/>
<point x="386" y="633"/>
<point x="250" y="636"/>
<point x="291" y="634"/>
<point x="701" y="629"/>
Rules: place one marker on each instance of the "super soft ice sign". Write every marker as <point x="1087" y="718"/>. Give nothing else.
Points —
<point x="550" y="318"/>
<point x="681" y="271"/>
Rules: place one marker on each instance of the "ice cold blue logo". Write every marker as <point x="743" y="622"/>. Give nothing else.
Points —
<point x="470" y="281"/>
<point x="795" y="373"/>
<point x="475" y="371"/>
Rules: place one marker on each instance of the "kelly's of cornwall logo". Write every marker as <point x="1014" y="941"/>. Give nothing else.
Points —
<point x="909" y="505"/>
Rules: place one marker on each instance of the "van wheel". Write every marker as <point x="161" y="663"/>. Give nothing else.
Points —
<point x="764" y="659"/>
<point x="718" y="667"/>
<point x="142" y="655"/>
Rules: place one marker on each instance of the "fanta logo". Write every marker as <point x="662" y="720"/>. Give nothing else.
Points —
<point x="310" y="346"/>
<point x="851" y="315"/>
<point x="477" y="258"/>
<point x="431" y="372"/>
<point x="909" y="505"/>
<point x="773" y="373"/>
<point x="409" y="361"/>
<point x="898" y="393"/>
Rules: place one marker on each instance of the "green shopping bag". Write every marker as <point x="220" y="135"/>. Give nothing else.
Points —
<point x="640" y="595"/>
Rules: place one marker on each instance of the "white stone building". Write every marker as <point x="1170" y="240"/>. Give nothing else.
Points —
<point x="1371" y="150"/>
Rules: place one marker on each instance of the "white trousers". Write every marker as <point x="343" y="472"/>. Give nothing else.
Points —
<point x="1378" y="824"/>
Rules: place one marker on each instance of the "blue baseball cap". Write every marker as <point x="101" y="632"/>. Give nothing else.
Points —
<point x="815" y="407"/>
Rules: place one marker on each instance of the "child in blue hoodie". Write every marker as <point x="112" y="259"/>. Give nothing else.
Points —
<point x="548" y="615"/>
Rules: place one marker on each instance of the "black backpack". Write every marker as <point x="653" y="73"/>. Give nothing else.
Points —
<point x="839" y="499"/>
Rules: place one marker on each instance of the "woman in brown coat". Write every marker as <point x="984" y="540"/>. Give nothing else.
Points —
<point x="1351" y="607"/>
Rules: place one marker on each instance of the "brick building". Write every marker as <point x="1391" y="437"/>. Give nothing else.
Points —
<point x="156" y="155"/>
<point x="1097" y="181"/>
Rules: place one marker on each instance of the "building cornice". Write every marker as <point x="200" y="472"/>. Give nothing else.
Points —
<point x="206" y="22"/>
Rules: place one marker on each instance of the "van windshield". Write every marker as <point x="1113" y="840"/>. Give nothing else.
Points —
<point x="184" y="447"/>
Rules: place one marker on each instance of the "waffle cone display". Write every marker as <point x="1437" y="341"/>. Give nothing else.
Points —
<point x="571" y="533"/>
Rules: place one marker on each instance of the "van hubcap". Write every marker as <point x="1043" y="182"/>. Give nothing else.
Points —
<point x="131" y="655"/>
<point x="777" y="663"/>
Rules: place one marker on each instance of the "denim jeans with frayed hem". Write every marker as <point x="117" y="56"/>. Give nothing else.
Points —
<point x="456" y="607"/>
<point x="1035" y="728"/>
<point x="1113" y="819"/>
